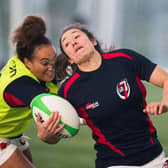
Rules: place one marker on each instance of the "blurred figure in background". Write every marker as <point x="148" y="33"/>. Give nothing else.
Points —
<point x="27" y="74"/>
<point x="107" y="91"/>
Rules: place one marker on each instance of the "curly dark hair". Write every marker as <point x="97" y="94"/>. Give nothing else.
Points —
<point x="30" y="34"/>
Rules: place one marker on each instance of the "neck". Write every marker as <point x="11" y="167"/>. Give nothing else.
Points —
<point x="92" y="63"/>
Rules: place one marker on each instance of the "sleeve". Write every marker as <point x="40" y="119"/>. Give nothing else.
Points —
<point x="21" y="91"/>
<point x="141" y="64"/>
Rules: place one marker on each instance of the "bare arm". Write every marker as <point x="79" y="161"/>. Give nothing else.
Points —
<point x="159" y="78"/>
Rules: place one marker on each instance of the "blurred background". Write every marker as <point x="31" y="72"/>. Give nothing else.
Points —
<point x="136" y="24"/>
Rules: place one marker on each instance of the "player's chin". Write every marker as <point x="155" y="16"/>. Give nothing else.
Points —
<point x="49" y="78"/>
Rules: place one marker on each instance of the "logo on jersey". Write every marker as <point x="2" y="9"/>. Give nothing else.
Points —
<point x="123" y="89"/>
<point x="12" y="69"/>
<point x="90" y="106"/>
<point x="165" y="164"/>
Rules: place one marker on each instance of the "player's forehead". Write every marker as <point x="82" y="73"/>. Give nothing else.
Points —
<point x="70" y="33"/>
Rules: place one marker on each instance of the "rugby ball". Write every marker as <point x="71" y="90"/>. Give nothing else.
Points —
<point x="46" y="103"/>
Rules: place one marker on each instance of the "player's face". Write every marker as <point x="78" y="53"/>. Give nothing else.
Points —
<point x="77" y="46"/>
<point x="43" y="63"/>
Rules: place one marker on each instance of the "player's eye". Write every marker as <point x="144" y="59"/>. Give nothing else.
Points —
<point x="46" y="63"/>
<point x="66" y="44"/>
<point x="77" y="36"/>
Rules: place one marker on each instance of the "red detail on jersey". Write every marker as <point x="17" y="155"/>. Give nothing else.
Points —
<point x="3" y="145"/>
<point x="69" y="83"/>
<point x="151" y="140"/>
<point x="12" y="100"/>
<point x="125" y="90"/>
<point x="89" y="106"/>
<point x="143" y="90"/>
<point x="151" y="127"/>
<point x="97" y="131"/>
<point x="165" y="164"/>
<point x="114" y="55"/>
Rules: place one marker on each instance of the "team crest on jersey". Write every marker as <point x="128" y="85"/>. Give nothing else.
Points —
<point x="123" y="89"/>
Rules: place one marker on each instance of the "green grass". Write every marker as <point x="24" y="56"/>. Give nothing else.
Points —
<point x="73" y="152"/>
<point x="78" y="151"/>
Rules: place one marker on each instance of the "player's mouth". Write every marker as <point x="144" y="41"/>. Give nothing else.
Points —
<point x="78" y="48"/>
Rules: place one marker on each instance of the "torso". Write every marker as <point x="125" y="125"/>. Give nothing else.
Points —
<point x="111" y="99"/>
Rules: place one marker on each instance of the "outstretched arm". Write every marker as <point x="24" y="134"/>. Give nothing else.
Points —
<point x="159" y="78"/>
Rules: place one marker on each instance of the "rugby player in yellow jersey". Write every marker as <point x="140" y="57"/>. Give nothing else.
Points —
<point x="26" y="75"/>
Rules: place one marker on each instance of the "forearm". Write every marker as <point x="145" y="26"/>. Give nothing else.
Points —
<point x="165" y="97"/>
<point x="165" y="91"/>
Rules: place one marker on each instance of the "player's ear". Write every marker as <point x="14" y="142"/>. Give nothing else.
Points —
<point x="28" y="63"/>
<point x="94" y="41"/>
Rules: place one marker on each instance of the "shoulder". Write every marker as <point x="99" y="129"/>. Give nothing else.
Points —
<point x="128" y="54"/>
<point x="119" y="53"/>
<point x="24" y="84"/>
<point x="25" y="88"/>
<point x="24" y="81"/>
<point x="68" y="83"/>
<point x="70" y="79"/>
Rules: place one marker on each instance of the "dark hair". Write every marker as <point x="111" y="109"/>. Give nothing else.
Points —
<point x="63" y="68"/>
<point x="83" y="29"/>
<point x="29" y="35"/>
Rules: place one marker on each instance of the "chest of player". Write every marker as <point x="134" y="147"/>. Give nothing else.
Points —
<point x="107" y="92"/>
